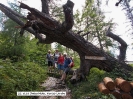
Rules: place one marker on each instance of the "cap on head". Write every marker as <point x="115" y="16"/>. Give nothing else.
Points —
<point x="65" y="54"/>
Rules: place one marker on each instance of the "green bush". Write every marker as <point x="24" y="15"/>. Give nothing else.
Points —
<point x="20" y="76"/>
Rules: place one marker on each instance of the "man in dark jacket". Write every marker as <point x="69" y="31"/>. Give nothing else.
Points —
<point x="67" y="67"/>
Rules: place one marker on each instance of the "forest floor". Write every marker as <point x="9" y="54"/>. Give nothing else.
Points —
<point x="50" y="84"/>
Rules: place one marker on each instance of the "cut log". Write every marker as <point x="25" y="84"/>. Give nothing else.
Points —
<point x="116" y="93"/>
<point x="123" y="84"/>
<point x="126" y="96"/>
<point x="109" y="83"/>
<point x="103" y="88"/>
<point x="131" y="92"/>
<point x="131" y="83"/>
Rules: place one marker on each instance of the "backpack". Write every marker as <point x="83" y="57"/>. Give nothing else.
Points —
<point x="72" y="63"/>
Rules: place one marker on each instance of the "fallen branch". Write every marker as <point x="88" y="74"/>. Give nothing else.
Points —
<point x="123" y="46"/>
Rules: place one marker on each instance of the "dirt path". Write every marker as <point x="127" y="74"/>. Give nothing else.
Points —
<point x="50" y="85"/>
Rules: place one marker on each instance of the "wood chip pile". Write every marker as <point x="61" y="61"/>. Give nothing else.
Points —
<point x="119" y="87"/>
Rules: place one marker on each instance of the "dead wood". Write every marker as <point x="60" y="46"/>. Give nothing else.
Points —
<point x="123" y="46"/>
<point x="62" y="33"/>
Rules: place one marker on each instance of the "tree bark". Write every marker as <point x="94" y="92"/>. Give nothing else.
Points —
<point x="45" y="7"/>
<point x="62" y="33"/>
<point x="123" y="46"/>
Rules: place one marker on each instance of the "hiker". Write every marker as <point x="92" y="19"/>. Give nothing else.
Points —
<point x="50" y="61"/>
<point x="67" y="68"/>
<point x="60" y="62"/>
<point x="56" y="55"/>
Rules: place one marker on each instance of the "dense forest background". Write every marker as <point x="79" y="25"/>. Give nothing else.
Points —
<point x="23" y="62"/>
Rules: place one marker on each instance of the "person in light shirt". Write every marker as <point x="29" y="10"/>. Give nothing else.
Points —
<point x="56" y="55"/>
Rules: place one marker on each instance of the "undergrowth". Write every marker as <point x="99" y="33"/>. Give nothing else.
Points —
<point x="19" y="76"/>
<point x="27" y="76"/>
<point x="89" y="88"/>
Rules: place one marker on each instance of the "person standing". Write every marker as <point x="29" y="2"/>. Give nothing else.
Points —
<point x="50" y="61"/>
<point x="60" y="62"/>
<point x="56" y="55"/>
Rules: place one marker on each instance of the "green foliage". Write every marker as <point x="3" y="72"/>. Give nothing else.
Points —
<point x="11" y="44"/>
<point x="118" y="72"/>
<point x="110" y="96"/>
<point x="92" y="20"/>
<point x="56" y="10"/>
<point x="90" y="88"/>
<point x="76" y="60"/>
<point x="20" y="76"/>
<point x="60" y="47"/>
<point x="131" y="65"/>
<point x="37" y="53"/>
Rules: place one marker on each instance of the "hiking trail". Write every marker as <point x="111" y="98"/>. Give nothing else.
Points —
<point x="50" y="84"/>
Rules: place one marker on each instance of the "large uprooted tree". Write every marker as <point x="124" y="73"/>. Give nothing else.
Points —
<point x="43" y="23"/>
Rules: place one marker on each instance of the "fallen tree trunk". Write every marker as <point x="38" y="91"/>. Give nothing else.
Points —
<point x="62" y="33"/>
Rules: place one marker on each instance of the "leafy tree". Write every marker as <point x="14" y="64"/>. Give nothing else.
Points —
<point x="12" y="45"/>
<point x="93" y="21"/>
<point x="37" y="53"/>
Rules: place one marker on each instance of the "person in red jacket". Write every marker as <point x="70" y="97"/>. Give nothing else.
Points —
<point x="60" y="62"/>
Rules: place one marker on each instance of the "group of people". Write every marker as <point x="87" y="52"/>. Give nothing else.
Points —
<point x="62" y="62"/>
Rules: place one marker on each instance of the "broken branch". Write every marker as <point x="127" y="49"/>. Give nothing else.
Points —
<point x="123" y="46"/>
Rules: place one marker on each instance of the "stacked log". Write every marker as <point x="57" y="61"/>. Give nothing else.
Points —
<point x="109" y="83"/>
<point x="123" y="84"/>
<point x="126" y="96"/>
<point x="116" y="93"/>
<point x="131" y="84"/>
<point x="132" y="89"/>
<point x="119" y="87"/>
<point x="102" y="88"/>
